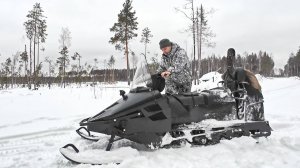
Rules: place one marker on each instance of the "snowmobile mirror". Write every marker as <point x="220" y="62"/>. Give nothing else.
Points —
<point x="122" y="93"/>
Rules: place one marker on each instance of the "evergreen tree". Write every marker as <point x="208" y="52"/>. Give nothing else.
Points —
<point x="36" y="32"/>
<point x="146" y="35"/>
<point x="124" y="31"/>
<point x="75" y="57"/>
<point x="24" y="59"/>
<point x="36" y="28"/>
<point x="111" y="64"/>
<point x="267" y="65"/>
<point x="63" y="61"/>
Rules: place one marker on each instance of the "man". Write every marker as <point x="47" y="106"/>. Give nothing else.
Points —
<point x="233" y="78"/>
<point x="175" y="68"/>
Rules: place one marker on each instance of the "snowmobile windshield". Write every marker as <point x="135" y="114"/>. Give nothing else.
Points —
<point x="142" y="77"/>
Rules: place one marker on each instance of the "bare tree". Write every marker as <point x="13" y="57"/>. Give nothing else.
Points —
<point x="65" y="38"/>
<point x="204" y="35"/>
<point x="104" y="67"/>
<point x="50" y="66"/>
<point x="13" y="67"/>
<point x="189" y="6"/>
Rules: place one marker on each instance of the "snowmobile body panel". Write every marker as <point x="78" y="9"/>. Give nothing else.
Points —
<point x="146" y="115"/>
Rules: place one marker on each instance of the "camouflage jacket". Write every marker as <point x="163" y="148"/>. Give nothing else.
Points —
<point x="176" y="62"/>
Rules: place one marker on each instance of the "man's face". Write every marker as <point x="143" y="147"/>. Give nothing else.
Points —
<point x="230" y="60"/>
<point x="166" y="50"/>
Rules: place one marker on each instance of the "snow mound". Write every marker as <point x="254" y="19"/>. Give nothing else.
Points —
<point x="295" y="77"/>
<point x="259" y="77"/>
<point x="208" y="81"/>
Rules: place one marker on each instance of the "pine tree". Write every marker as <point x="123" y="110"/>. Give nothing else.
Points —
<point x="24" y="59"/>
<point x="111" y="64"/>
<point x="63" y="61"/>
<point x="36" y="32"/>
<point x="75" y="57"/>
<point x="146" y="35"/>
<point x="124" y="31"/>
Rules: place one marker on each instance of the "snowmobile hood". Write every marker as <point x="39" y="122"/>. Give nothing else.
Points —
<point x="123" y="107"/>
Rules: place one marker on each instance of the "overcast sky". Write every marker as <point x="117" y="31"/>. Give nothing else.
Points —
<point x="246" y="25"/>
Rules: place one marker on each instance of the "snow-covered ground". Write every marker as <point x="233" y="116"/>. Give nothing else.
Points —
<point x="35" y="124"/>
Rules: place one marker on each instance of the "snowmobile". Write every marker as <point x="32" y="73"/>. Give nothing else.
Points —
<point x="146" y="116"/>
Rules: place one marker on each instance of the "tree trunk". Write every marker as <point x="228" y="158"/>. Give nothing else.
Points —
<point x="38" y="53"/>
<point x="194" y="44"/>
<point x="64" y="72"/>
<point x="145" y="51"/>
<point x="198" y="46"/>
<point x="34" y="68"/>
<point x="127" y="61"/>
<point x="30" y="59"/>
<point x="79" y="70"/>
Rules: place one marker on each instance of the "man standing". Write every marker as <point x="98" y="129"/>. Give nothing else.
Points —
<point x="175" y="68"/>
<point x="234" y="77"/>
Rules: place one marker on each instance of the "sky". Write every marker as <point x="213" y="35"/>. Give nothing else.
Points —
<point x="246" y="25"/>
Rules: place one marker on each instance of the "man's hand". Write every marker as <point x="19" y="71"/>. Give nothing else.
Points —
<point x="165" y="74"/>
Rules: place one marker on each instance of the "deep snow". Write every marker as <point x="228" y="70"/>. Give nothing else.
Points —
<point x="35" y="124"/>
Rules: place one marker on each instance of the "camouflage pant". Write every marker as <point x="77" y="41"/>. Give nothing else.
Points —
<point x="255" y="112"/>
<point x="175" y="88"/>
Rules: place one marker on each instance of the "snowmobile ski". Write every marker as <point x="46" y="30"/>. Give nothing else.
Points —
<point x="71" y="153"/>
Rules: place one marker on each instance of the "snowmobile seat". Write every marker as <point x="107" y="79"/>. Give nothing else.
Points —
<point x="190" y="94"/>
<point x="192" y="99"/>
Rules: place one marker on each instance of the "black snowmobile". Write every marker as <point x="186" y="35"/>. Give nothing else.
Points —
<point x="146" y="116"/>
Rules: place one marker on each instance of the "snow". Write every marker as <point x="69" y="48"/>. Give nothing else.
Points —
<point x="35" y="124"/>
<point x="208" y="81"/>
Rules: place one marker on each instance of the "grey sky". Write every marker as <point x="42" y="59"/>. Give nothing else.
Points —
<point x="246" y="25"/>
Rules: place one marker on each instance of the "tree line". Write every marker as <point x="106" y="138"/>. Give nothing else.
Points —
<point x="259" y="63"/>
<point x="292" y="68"/>
<point x="24" y="68"/>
